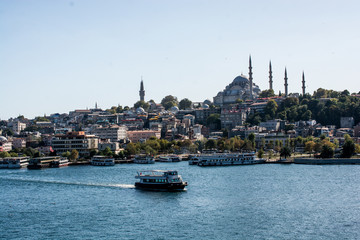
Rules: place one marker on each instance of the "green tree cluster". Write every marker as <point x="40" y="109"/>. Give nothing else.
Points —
<point x="169" y="101"/>
<point x="324" y="106"/>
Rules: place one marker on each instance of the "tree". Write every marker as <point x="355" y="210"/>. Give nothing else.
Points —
<point x="260" y="153"/>
<point x="285" y="152"/>
<point x="357" y="148"/>
<point x="185" y="104"/>
<point x="309" y="146"/>
<point x="267" y="93"/>
<point x="66" y="154"/>
<point x="327" y="151"/>
<point x="213" y="121"/>
<point x="142" y="104"/>
<point x="169" y="101"/>
<point x="348" y="148"/>
<point x="4" y="154"/>
<point x="251" y="138"/>
<point x="131" y="149"/>
<point x="107" y="152"/>
<point x="74" y="155"/>
<point x="41" y="119"/>
<point x="211" y="144"/>
<point x="271" y="108"/>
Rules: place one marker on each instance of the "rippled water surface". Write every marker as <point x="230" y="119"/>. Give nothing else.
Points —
<point x="240" y="202"/>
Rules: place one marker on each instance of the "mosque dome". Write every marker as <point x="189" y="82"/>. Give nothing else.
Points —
<point x="140" y="110"/>
<point x="207" y="101"/>
<point x="241" y="80"/>
<point x="174" y="109"/>
<point x="206" y="106"/>
<point x="3" y="139"/>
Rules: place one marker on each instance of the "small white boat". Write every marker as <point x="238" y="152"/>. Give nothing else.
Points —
<point x="62" y="162"/>
<point x="99" y="160"/>
<point x="169" y="158"/>
<point x="144" y="160"/>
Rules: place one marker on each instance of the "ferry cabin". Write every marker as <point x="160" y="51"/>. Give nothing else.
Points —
<point x="227" y="159"/>
<point x="99" y="160"/>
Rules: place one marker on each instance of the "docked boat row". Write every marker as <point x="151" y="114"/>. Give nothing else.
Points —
<point x="225" y="159"/>
<point x="14" y="162"/>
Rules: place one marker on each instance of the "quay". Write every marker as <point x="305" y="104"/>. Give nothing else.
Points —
<point x="323" y="161"/>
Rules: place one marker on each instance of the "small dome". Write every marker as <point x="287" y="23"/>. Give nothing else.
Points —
<point x="206" y="106"/>
<point x="207" y="101"/>
<point x="140" y="110"/>
<point x="3" y="139"/>
<point x="174" y="109"/>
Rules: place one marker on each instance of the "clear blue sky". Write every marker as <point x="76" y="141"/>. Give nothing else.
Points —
<point x="57" y="56"/>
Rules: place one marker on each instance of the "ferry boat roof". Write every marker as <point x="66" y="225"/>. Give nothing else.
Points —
<point x="154" y="172"/>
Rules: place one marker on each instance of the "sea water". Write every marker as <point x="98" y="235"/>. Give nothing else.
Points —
<point x="265" y="201"/>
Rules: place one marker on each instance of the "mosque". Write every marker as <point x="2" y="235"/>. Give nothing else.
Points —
<point x="241" y="88"/>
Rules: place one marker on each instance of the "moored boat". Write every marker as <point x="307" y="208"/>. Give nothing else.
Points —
<point x="159" y="180"/>
<point x="4" y="163"/>
<point x="41" y="162"/>
<point x="18" y="162"/>
<point x="193" y="160"/>
<point x="227" y="159"/>
<point x="169" y="158"/>
<point x="99" y="160"/>
<point x="62" y="162"/>
<point x="144" y="159"/>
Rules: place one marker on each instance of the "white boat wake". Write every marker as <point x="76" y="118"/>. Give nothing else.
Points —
<point x="124" y="186"/>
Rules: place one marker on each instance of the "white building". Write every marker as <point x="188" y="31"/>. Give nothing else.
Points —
<point x="18" y="126"/>
<point x="115" y="133"/>
<point x="271" y="125"/>
<point x="84" y="144"/>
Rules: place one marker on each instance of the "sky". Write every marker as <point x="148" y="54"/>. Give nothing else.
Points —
<point x="58" y="56"/>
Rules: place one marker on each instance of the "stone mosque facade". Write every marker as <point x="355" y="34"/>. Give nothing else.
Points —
<point x="241" y="88"/>
<point x="238" y="89"/>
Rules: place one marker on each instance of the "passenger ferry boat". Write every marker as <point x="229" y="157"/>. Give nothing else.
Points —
<point x="169" y="158"/>
<point x="4" y="163"/>
<point x="99" y="160"/>
<point x="227" y="159"/>
<point x="18" y="162"/>
<point x="41" y="162"/>
<point x="158" y="180"/>
<point x="62" y="162"/>
<point x="144" y="160"/>
<point x="193" y="160"/>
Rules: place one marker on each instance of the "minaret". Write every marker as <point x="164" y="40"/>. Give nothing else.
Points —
<point x="270" y="77"/>
<point x="142" y="91"/>
<point x="286" y="83"/>
<point x="303" y="83"/>
<point x="250" y="78"/>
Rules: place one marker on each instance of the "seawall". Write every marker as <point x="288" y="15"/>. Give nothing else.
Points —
<point x="317" y="161"/>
